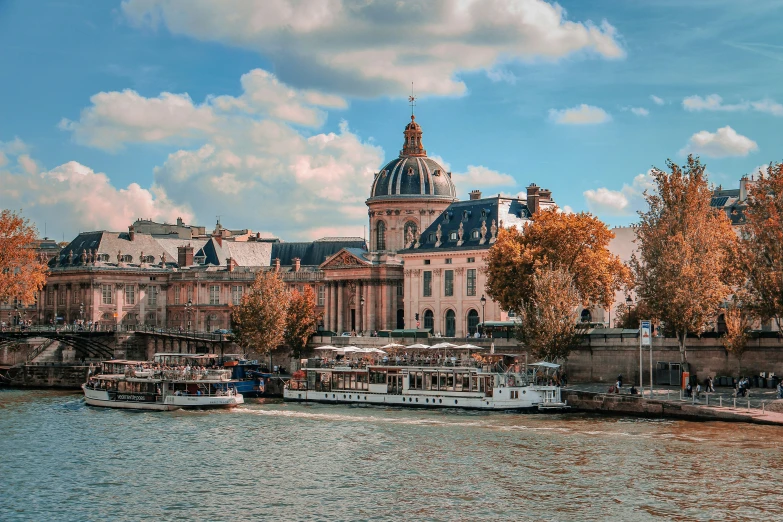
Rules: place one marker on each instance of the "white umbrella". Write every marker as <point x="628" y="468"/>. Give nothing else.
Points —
<point x="393" y="345"/>
<point x="327" y="347"/>
<point x="378" y="351"/>
<point x="471" y="347"/>
<point x="443" y="345"/>
<point x="419" y="346"/>
<point x="351" y="349"/>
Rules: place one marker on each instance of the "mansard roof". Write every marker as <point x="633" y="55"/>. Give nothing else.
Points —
<point x="315" y="252"/>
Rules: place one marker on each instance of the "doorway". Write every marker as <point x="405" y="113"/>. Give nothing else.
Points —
<point x="353" y="319"/>
<point x="400" y="319"/>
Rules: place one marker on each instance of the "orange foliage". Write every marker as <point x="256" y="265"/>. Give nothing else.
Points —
<point x="22" y="273"/>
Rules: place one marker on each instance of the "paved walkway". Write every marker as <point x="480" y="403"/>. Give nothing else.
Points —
<point x="750" y="408"/>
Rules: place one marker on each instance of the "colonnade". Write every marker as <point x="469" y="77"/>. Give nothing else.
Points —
<point x="344" y="311"/>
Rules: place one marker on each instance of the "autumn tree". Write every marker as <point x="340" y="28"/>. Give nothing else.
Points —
<point x="761" y="244"/>
<point x="301" y="319"/>
<point x="682" y="266"/>
<point x="576" y="243"/>
<point x="738" y="320"/>
<point x="629" y="316"/>
<point x="549" y="320"/>
<point x="22" y="272"/>
<point x="260" y="318"/>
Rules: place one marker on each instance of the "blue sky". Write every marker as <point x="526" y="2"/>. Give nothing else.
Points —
<point x="275" y="115"/>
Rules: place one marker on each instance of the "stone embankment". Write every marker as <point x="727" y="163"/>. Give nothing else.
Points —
<point x="62" y="376"/>
<point x="633" y="405"/>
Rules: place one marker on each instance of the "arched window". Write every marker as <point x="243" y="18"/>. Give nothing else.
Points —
<point x="380" y="236"/>
<point x="451" y="324"/>
<point x="586" y="316"/>
<point x="473" y="321"/>
<point x="429" y="321"/>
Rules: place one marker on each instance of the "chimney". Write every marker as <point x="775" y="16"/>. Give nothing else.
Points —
<point x="743" y="189"/>
<point x="546" y="195"/>
<point x="132" y="233"/>
<point x="185" y="256"/>
<point x="230" y="264"/>
<point x="297" y="264"/>
<point x="180" y="222"/>
<point x="475" y="194"/>
<point x="532" y="198"/>
<point x="277" y="264"/>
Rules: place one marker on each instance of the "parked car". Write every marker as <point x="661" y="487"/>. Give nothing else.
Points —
<point x="222" y="331"/>
<point x="345" y="334"/>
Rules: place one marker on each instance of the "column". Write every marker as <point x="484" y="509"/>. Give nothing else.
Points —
<point x="97" y="300"/>
<point x="118" y="288"/>
<point x="383" y="299"/>
<point x="371" y="304"/>
<point x="340" y="288"/>
<point x="68" y="299"/>
<point x="142" y="297"/>
<point x="328" y="305"/>
<point x="437" y="286"/>
<point x="459" y="291"/>
<point x="162" y="303"/>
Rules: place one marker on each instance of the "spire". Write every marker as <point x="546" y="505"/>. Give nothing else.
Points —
<point x="412" y="145"/>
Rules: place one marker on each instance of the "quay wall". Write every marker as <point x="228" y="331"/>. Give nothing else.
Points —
<point x="62" y="376"/>
<point x="617" y="404"/>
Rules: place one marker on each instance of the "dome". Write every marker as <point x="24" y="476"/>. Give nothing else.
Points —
<point x="413" y="173"/>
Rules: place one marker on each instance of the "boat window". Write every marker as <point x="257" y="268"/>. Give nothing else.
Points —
<point x="419" y="380"/>
<point x="449" y="381"/>
<point x="458" y="382"/>
<point x="427" y="381"/>
<point x="442" y="381"/>
<point x="378" y="377"/>
<point x="353" y="381"/>
<point x="340" y="381"/>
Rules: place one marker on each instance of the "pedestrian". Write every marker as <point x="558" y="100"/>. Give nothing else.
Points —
<point x="688" y="390"/>
<point x="620" y="381"/>
<point x="698" y="390"/>
<point x="780" y="390"/>
<point x="710" y="385"/>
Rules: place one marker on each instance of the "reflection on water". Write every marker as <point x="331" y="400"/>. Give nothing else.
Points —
<point x="66" y="461"/>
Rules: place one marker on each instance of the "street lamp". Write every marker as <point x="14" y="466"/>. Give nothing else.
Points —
<point x="188" y="311"/>
<point x="18" y="314"/>
<point x="81" y="313"/>
<point x="483" y="304"/>
<point x="361" y="314"/>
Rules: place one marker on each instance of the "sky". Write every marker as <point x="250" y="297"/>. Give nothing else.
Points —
<point x="276" y="115"/>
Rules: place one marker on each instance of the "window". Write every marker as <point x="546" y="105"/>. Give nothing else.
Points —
<point x="152" y="296"/>
<point x="429" y="320"/>
<point x="427" y="283"/>
<point x="448" y="260"/>
<point x="426" y="261"/>
<point x="431" y="238"/>
<point x="400" y="291"/>
<point x="214" y="294"/>
<point x="50" y="296"/>
<point x="106" y="294"/>
<point x="236" y="295"/>
<point x="321" y="295"/>
<point x="75" y="296"/>
<point x="471" y="286"/>
<point x="61" y="297"/>
<point x="473" y="321"/>
<point x="380" y="236"/>
<point x="471" y="260"/>
<point x="475" y="234"/>
<point x="449" y="280"/>
<point x="177" y="290"/>
<point x="451" y="324"/>
<point x="452" y="236"/>
<point x="190" y="294"/>
<point x="130" y="295"/>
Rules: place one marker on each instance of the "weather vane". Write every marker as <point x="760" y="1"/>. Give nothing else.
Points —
<point x="412" y="99"/>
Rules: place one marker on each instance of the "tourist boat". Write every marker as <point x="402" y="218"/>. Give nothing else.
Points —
<point x="158" y="389"/>
<point x="499" y="385"/>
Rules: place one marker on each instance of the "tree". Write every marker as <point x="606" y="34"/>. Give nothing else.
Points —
<point x="761" y="245"/>
<point x="630" y="316"/>
<point x="576" y="243"/>
<point x="259" y="320"/>
<point x="549" y="320"/>
<point x="301" y="320"/>
<point x="682" y="267"/>
<point x="22" y="272"/>
<point x="735" y="340"/>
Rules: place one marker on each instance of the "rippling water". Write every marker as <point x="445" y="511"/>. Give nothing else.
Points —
<point x="62" y="460"/>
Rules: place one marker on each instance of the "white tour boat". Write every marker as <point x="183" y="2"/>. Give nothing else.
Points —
<point x="160" y="389"/>
<point x="457" y="384"/>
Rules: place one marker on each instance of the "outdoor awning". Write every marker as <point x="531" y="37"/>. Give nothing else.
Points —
<point x="544" y="364"/>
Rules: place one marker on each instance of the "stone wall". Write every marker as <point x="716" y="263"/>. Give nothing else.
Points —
<point x="49" y="376"/>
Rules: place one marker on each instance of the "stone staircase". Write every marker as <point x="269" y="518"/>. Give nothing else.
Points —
<point x="48" y="351"/>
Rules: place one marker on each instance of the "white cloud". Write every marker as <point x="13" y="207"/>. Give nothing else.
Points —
<point x="580" y="115"/>
<point x="639" y="111"/>
<point x="118" y="118"/>
<point x="623" y="202"/>
<point x="502" y="75"/>
<point x="376" y="48"/>
<point x="657" y="100"/>
<point x="72" y="197"/>
<point x="768" y="106"/>
<point x="713" y="102"/>
<point x="722" y="143"/>
<point x="479" y="177"/>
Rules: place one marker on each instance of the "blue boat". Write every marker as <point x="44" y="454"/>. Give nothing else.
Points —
<point x="249" y="378"/>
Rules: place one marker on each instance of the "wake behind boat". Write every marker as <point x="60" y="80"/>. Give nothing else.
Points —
<point x="143" y="387"/>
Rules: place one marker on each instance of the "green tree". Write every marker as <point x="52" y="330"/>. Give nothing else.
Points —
<point x="682" y="267"/>
<point x="22" y="272"/>
<point x="259" y="320"/>
<point x="301" y="320"/>
<point x="549" y="319"/>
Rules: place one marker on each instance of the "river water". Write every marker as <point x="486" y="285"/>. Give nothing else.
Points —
<point x="63" y="460"/>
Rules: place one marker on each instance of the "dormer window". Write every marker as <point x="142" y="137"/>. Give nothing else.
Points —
<point x="431" y="238"/>
<point x="465" y="215"/>
<point x="127" y="258"/>
<point x="475" y="234"/>
<point x="410" y="171"/>
<point x="436" y="173"/>
<point x="452" y="236"/>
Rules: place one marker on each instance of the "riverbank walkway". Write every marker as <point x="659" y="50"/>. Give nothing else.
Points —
<point x="720" y="405"/>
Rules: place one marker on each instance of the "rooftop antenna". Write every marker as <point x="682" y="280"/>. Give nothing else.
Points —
<point x="412" y="100"/>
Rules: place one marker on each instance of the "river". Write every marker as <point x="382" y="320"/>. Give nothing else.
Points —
<point x="63" y="460"/>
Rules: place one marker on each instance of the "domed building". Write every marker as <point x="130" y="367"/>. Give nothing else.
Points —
<point x="407" y="194"/>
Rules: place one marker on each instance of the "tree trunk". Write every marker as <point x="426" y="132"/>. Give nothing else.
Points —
<point x="681" y="341"/>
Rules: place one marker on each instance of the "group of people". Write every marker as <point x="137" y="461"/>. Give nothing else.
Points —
<point x="186" y="372"/>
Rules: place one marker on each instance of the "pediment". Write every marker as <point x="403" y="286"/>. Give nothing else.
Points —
<point x="343" y="259"/>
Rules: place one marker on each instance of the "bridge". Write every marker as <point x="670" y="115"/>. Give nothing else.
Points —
<point x="92" y="345"/>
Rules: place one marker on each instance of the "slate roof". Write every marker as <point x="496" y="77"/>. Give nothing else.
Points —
<point x="112" y="243"/>
<point x="505" y="211"/>
<point x="314" y="253"/>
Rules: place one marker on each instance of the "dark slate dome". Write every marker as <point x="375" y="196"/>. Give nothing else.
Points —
<point x="413" y="173"/>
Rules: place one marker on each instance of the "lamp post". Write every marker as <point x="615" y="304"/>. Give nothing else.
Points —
<point x="361" y="314"/>
<point x="188" y="311"/>
<point x="18" y="314"/>
<point x="483" y="304"/>
<point x="81" y="315"/>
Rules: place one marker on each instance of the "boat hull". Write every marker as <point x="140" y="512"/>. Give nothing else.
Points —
<point x="530" y="400"/>
<point x="102" y="398"/>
